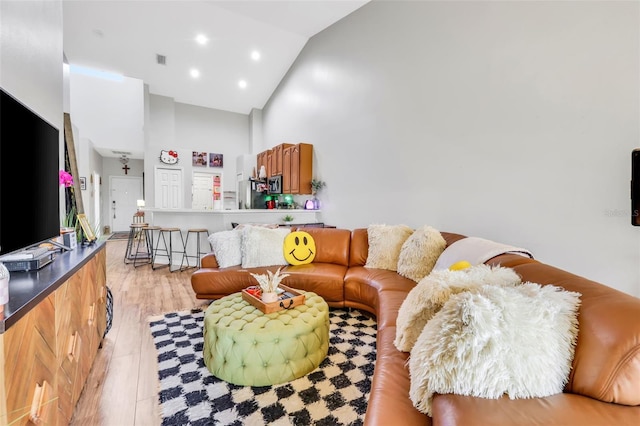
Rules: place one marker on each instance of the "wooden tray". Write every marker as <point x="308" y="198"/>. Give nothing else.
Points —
<point x="278" y="305"/>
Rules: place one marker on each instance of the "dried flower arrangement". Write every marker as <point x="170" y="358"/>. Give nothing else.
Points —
<point x="269" y="282"/>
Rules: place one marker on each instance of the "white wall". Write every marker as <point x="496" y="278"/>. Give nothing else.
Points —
<point x="31" y="55"/>
<point x="512" y="121"/>
<point x="187" y="128"/>
<point x="108" y="110"/>
<point x="31" y="60"/>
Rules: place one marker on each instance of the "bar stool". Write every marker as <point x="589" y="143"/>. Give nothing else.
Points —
<point x="197" y="232"/>
<point x="135" y="236"/>
<point x="167" y="249"/>
<point x="147" y="231"/>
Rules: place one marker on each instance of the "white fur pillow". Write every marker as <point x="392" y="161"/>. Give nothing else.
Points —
<point x="263" y="246"/>
<point x="385" y="243"/>
<point x="226" y="246"/>
<point x="433" y="291"/>
<point x="420" y="252"/>
<point x="519" y="341"/>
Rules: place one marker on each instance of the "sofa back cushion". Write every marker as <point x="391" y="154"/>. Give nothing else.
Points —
<point x="332" y="244"/>
<point x="359" y="247"/>
<point x="606" y="364"/>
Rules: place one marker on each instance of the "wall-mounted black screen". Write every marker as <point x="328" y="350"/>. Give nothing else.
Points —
<point x="635" y="187"/>
<point x="29" y="165"/>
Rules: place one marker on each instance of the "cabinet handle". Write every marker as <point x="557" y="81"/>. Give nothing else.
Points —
<point x="92" y="313"/>
<point x="36" y="403"/>
<point x="71" y="346"/>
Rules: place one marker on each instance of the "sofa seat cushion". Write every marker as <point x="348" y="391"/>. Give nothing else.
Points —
<point x="389" y="303"/>
<point x="560" y="409"/>
<point x="215" y="283"/>
<point x="606" y="364"/>
<point x="324" y="279"/>
<point x="362" y="285"/>
<point x="389" y="403"/>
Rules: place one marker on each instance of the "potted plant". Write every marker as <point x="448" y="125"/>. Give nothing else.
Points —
<point x="287" y="219"/>
<point x="269" y="284"/>
<point x="316" y="185"/>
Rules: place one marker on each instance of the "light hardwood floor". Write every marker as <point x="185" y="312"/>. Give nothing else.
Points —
<point x="122" y="387"/>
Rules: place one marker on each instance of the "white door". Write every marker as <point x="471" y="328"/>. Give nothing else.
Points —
<point x="168" y="188"/>
<point x="125" y="191"/>
<point x="202" y="191"/>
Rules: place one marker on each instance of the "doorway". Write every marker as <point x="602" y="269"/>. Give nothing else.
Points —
<point x="123" y="196"/>
<point x="168" y="188"/>
<point x="206" y="191"/>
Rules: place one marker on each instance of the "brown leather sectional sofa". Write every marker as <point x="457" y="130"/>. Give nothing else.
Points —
<point x="604" y="384"/>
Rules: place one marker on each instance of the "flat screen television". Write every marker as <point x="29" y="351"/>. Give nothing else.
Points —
<point x="635" y="187"/>
<point x="29" y="167"/>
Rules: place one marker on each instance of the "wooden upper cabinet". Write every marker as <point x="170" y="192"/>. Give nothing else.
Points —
<point x="301" y="168"/>
<point x="277" y="165"/>
<point x="263" y="160"/>
<point x="270" y="163"/>
<point x="286" y="169"/>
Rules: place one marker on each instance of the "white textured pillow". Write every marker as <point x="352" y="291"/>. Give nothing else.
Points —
<point x="263" y="246"/>
<point x="226" y="246"/>
<point x="420" y="252"/>
<point x="434" y="290"/>
<point x="519" y="341"/>
<point x="385" y="243"/>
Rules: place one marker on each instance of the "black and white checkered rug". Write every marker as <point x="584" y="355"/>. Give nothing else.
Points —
<point x="335" y="393"/>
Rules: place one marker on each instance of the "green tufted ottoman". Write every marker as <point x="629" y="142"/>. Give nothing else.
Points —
<point x="245" y="347"/>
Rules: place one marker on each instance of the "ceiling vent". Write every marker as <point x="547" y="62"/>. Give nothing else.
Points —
<point x="121" y="152"/>
<point x="161" y="59"/>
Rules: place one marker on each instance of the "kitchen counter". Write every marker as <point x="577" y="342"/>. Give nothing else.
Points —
<point x="221" y="220"/>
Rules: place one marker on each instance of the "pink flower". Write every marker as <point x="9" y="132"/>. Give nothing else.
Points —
<point x="66" y="179"/>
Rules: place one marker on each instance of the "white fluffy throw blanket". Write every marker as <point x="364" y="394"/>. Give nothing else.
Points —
<point x="476" y="251"/>
<point x="433" y="291"/>
<point x="517" y="341"/>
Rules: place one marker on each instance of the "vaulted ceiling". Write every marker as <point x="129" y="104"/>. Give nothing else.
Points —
<point x="126" y="37"/>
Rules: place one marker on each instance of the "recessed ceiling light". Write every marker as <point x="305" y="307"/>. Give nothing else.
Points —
<point x="201" y="39"/>
<point x="242" y="84"/>
<point x="255" y="55"/>
<point x="194" y="73"/>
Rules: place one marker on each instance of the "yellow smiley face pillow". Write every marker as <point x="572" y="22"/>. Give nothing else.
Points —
<point x="299" y="248"/>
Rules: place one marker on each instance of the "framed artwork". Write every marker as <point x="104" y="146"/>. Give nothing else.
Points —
<point x="88" y="232"/>
<point x="83" y="183"/>
<point x="199" y="159"/>
<point x="215" y="160"/>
